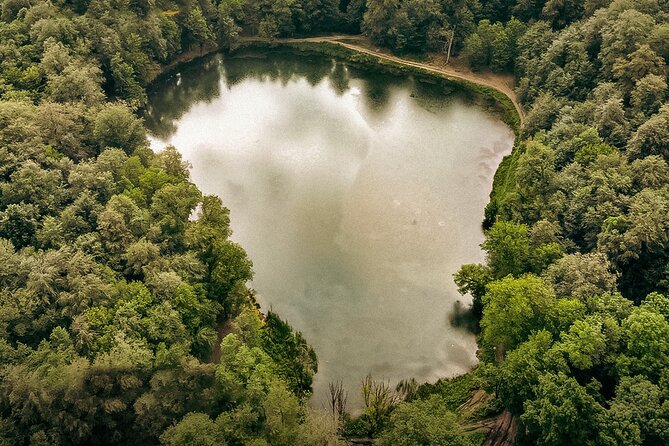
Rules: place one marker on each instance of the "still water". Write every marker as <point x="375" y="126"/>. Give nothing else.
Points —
<point x="356" y="194"/>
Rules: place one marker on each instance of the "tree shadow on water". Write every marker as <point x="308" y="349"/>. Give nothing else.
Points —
<point x="462" y="317"/>
<point x="173" y="94"/>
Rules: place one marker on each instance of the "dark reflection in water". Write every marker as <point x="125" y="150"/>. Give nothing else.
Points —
<point x="172" y="95"/>
<point x="463" y="317"/>
<point x="339" y="79"/>
<point x="357" y="195"/>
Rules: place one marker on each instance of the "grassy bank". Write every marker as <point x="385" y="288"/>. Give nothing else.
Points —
<point x="503" y="186"/>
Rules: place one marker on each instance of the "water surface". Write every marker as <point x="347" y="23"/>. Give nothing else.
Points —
<point x="356" y="194"/>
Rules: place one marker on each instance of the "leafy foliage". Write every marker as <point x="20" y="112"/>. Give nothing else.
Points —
<point x="112" y="297"/>
<point x="424" y="422"/>
<point x="582" y="204"/>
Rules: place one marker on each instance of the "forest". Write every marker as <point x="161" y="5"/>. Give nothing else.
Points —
<point x="125" y="315"/>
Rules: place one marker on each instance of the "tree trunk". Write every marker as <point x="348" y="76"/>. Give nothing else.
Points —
<point x="450" y="46"/>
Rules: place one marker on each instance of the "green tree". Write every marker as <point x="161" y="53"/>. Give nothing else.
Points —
<point x="508" y="247"/>
<point x="317" y="16"/>
<point x="282" y="416"/>
<point x="195" y="429"/>
<point x="659" y="41"/>
<point x="231" y="268"/>
<point x="622" y="35"/>
<point x="138" y="256"/>
<point x="116" y="126"/>
<point x="494" y="45"/>
<point x="378" y="19"/>
<point x="513" y="308"/>
<point x="562" y="12"/>
<point x="535" y="172"/>
<point x="295" y="360"/>
<point x="126" y="85"/>
<point x="646" y="335"/>
<point x="416" y="20"/>
<point x="520" y="372"/>
<point x="589" y="153"/>
<point x="170" y="209"/>
<point x="182" y="387"/>
<point x="611" y="122"/>
<point x="657" y="303"/>
<point x="650" y="172"/>
<point x="245" y="374"/>
<point x="473" y="279"/>
<point x="636" y="242"/>
<point x="78" y="82"/>
<point x="526" y="10"/>
<point x="582" y="276"/>
<point x="639" y="64"/>
<point x="639" y="413"/>
<point x="196" y="30"/>
<point x="64" y="129"/>
<point x="648" y="95"/>
<point x="543" y="113"/>
<point x="564" y="412"/>
<point x="18" y="224"/>
<point x="424" y="422"/>
<point x="651" y="137"/>
<point x="584" y="344"/>
<point x="476" y="51"/>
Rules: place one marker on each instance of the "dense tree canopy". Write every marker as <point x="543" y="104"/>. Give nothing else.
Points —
<point x="117" y="274"/>
<point x="125" y="316"/>
<point x="587" y="183"/>
<point x="111" y="294"/>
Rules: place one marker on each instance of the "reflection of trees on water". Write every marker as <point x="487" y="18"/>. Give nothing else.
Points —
<point x="433" y="94"/>
<point x="462" y="317"/>
<point x="376" y="95"/>
<point x="282" y="66"/>
<point x="339" y="79"/>
<point x="172" y="96"/>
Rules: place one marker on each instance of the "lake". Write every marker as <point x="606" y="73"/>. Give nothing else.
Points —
<point x="356" y="193"/>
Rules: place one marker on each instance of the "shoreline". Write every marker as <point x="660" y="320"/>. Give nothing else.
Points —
<point x="340" y="46"/>
<point x="501" y="102"/>
<point x="183" y="58"/>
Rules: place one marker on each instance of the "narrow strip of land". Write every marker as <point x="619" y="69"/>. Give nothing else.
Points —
<point x="491" y="80"/>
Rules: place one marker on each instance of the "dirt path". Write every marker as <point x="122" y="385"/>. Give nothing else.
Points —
<point x="503" y="84"/>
